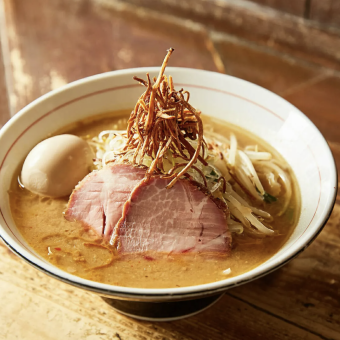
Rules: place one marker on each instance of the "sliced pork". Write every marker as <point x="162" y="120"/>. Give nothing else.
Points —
<point x="140" y="216"/>
<point x="99" y="198"/>
<point x="177" y="220"/>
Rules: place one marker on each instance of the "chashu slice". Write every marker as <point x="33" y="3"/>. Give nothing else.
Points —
<point x="141" y="215"/>
<point x="177" y="220"/>
<point x="98" y="199"/>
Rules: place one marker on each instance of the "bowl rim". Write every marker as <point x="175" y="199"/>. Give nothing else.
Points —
<point x="181" y="292"/>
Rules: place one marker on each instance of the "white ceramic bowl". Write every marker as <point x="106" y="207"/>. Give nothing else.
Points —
<point x="234" y="100"/>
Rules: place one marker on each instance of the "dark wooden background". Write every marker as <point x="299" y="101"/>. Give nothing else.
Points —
<point x="46" y="44"/>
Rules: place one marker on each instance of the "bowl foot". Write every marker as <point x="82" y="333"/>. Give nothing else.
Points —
<point x="162" y="311"/>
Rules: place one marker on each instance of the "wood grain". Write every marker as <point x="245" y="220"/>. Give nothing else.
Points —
<point x="61" y="41"/>
<point x="295" y="7"/>
<point x="320" y="102"/>
<point x="53" y="43"/>
<point x="35" y="306"/>
<point x="4" y="104"/>
<point x="247" y="20"/>
<point x="306" y="291"/>
<point x="276" y="72"/>
<point x="326" y="12"/>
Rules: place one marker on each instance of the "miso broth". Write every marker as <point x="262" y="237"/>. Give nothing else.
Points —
<point x="81" y="252"/>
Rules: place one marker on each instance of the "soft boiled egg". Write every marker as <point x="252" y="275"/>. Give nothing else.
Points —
<point x="55" y="166"/>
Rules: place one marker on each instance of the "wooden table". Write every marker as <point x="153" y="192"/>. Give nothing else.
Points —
<point x="46" y="44"/>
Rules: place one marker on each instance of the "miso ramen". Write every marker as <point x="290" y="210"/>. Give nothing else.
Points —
<point x="156" y="197"/>
<point x="81" y="252"/>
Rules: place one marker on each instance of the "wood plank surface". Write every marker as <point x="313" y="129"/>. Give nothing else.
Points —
<point x="295" y="7"/>
<point x="4" y="103"/>
<point x="247" y="20"/>
<point x="35" y="306"/>
<point x="62" y="41"/>
<point x="53" y="43"/>
<point x="326" y="12"/>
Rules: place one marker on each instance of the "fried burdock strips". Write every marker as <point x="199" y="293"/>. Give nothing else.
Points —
<point x="163" y="121"/>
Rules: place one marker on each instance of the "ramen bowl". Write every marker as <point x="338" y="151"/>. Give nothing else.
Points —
<point x="239" y="102"/>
